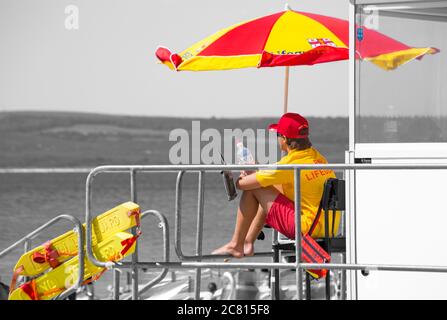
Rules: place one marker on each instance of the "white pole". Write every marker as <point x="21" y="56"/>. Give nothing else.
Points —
<point x="286" y="84"/>
<point x="286" y="90"/>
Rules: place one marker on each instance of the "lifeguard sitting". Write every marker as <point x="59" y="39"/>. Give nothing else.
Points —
<point x="268" y="195"/>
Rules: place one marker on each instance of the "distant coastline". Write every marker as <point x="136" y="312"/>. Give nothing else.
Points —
<point x="61" y="139"/>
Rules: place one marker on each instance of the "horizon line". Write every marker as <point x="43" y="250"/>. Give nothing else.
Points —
<point x="3" y="111"/>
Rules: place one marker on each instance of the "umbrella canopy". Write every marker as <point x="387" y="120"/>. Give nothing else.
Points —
<point x="288" y="38"/>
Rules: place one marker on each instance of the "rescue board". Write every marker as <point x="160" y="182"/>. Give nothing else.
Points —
<point x="55" y="281"/>
<point x="64" y="247"/>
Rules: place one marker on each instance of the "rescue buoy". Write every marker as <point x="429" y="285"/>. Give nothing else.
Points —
<point x="64" y="276"/>
<point x="54" y="252"/>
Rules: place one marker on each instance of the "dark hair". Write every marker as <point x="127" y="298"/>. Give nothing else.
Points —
<point x="299" y="143"/>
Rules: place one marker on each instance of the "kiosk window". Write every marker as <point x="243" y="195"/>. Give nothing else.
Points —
<point x="409" y="103"/>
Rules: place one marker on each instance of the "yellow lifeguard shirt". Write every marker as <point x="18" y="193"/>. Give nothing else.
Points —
<point x="312" y="183"/>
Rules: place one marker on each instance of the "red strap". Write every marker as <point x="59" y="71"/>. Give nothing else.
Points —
<point x="30" y="289"/>
<point x="135" y="213"/>
<point x="50" y="255"/>
<point x="52" y="291"/>
<point x="97" y="276"/>
<point x="128" y="243"/>
<point x="317" y="217"/>
<point x="15" y="275"/>
<point x="94" y="278"/>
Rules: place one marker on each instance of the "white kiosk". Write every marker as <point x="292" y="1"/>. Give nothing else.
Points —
<point x="400" y="116"/>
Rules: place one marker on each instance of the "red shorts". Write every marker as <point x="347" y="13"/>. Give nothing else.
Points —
<point x="281" y="216"/>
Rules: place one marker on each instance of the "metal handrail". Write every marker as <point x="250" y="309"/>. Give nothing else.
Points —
<point x="298" y="265"/>
<point x="290" y="265"/>
<point x="44" y="170"/>
<point x="199" y="233"/>
<point x="134" y="273"/>
<point x="78" y="229"/>
<point x="165" y="226"/>
<point x="185" y="263"/>
<point x="178" y="229"/>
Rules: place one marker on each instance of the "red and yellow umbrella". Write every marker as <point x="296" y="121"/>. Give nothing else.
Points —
<point x="288" y="38"/>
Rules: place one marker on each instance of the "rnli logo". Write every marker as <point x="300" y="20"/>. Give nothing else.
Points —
<point x="318" y="42"/>
<point x="285" y="52"/>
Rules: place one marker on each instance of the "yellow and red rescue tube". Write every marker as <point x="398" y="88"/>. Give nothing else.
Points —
<point x="47" y="285"/>
<point x="288" y="38"/>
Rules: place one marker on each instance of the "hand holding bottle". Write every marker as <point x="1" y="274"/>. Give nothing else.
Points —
<point x="244" y="156"/>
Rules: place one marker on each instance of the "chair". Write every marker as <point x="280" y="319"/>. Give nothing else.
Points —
<point x="333" y="199"/>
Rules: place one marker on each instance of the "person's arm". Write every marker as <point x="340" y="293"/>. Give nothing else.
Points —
<point x="247" y="182"/>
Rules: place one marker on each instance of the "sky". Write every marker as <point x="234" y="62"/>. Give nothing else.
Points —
<point x="108" y="64"/>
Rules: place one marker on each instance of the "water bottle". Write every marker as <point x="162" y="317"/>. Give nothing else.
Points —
<point x="243" y="154"/>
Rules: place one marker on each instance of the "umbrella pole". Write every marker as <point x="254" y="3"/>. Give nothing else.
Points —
<point x="286" y="90"/>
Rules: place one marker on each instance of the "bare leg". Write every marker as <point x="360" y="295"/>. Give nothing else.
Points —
<point x="248" y="210"/>
<point x="255" y="228"/>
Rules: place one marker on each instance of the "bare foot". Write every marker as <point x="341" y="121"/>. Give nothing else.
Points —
<point x="229" y="249"/>
<point x="249" y="249"/>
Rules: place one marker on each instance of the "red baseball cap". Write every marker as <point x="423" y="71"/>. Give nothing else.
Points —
<point x="290" y="126"/>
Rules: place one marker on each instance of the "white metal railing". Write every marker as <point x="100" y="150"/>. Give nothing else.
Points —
<point x="45" y="170"/>
<point x="197" y="261"/>
<point x="298" y="265"/>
